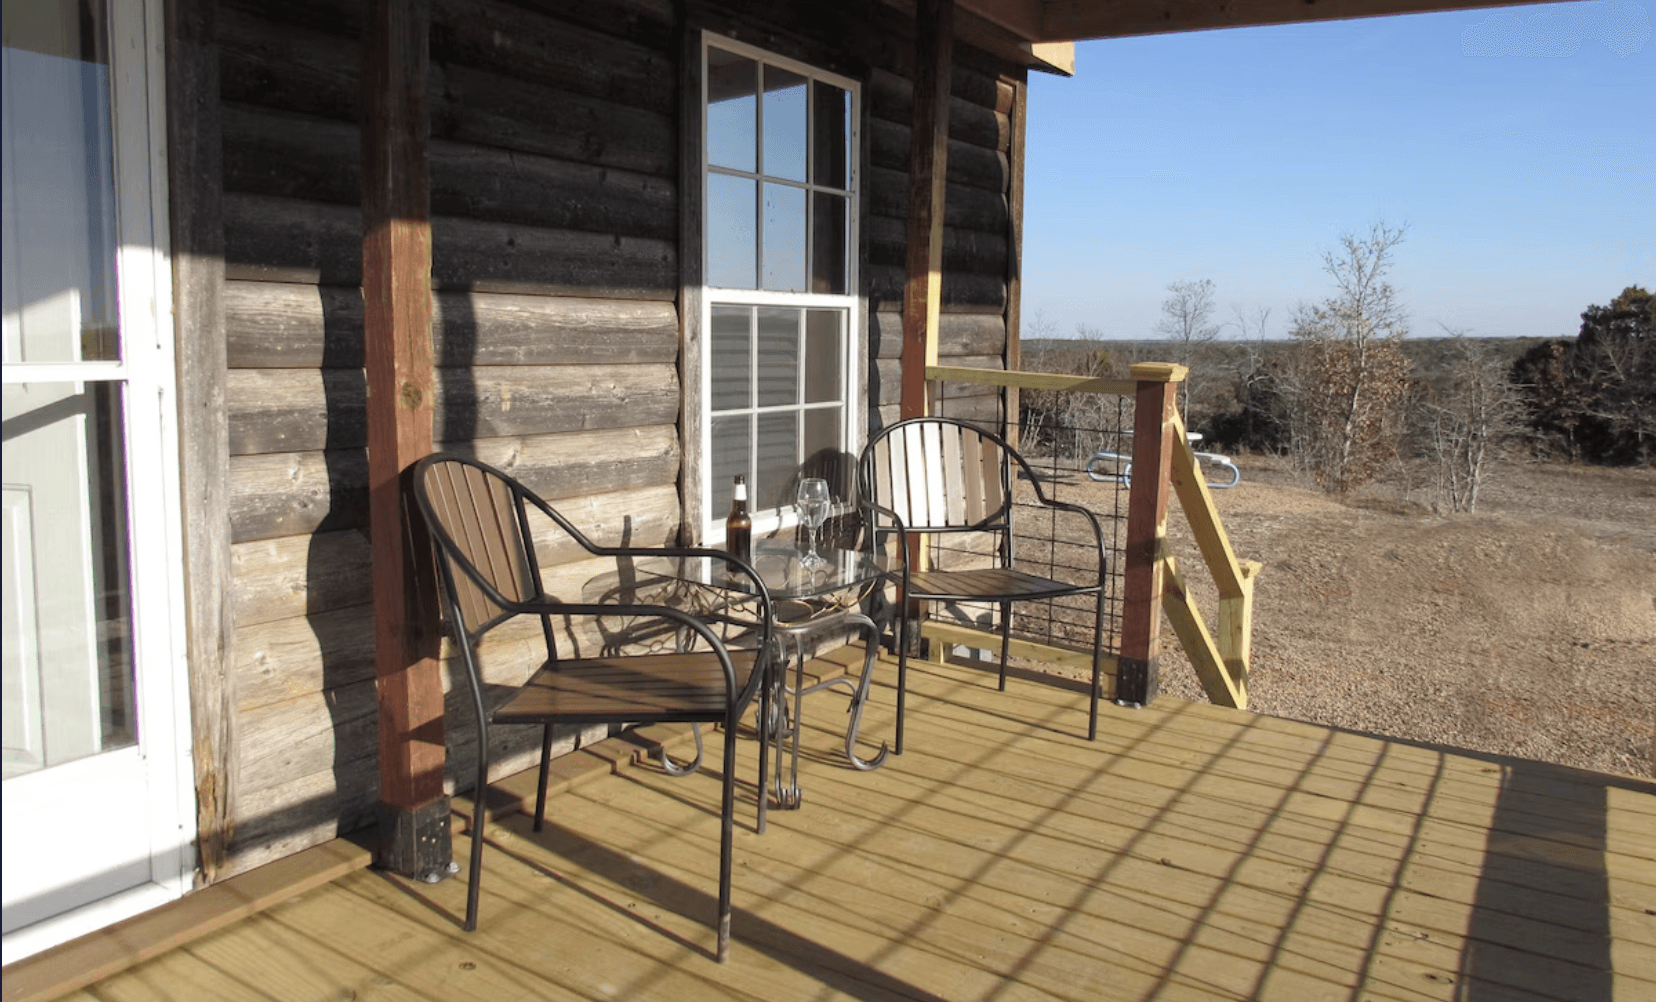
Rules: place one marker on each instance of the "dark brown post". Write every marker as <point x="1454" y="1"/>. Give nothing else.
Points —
<point x="396" y="289"/>
<point x="928" y="167"/>
<point x="1154" y="406"/>
<point x="195" y="165"/>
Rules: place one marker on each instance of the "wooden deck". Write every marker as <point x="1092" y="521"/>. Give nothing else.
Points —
<point x="1192" y="853"/>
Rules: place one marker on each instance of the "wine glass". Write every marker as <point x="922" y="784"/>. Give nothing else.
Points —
<point x="814" y="501"/>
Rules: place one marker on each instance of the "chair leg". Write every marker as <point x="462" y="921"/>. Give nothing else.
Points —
<point x="1098" y="667"/>
<point x="480" y="797"/>
<point x="902" y="678"/>
<point x="762" y="787"/>
<point x="545" y="774"/>
<point x="727" y="825"/>
<point x="1006" y="640"/>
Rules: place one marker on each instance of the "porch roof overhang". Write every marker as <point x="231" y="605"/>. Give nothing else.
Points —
<point x="1042" y="33"/>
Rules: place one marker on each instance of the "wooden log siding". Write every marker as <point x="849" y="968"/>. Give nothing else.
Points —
<point x="292" y="576"/>
<point x="289" y="326"/>
<point x="289" y="494"/>
<point x="303" y="410"/>
<point x="283" y="155"/>
<point x="316" y="243"/>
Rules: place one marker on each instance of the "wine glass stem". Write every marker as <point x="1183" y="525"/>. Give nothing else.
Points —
<point x="813" y="552"/>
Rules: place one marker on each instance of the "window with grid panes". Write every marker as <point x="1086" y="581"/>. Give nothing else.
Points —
<point x="780" y="217"/>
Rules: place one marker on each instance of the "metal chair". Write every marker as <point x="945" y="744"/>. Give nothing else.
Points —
<point x="480" y="520"/>
<point x="943" y="475"/>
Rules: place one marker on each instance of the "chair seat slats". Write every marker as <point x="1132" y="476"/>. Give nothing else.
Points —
<point x="628" y="688"/>
<point x="990" y="584"/>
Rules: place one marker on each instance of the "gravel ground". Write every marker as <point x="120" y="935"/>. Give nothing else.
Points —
<point x="1527" y="629"/>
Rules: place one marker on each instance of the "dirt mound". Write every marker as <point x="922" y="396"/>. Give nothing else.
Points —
<point x="1527" y="629"/>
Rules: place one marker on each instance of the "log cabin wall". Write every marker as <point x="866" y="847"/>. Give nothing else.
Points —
<point x="554" y="218"/>
<point x="555" y="202"/>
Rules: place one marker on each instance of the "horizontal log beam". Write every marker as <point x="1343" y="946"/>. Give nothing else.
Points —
<point x="304" y="410"/>
<point x="964" y="207"/>
<point x="1073" y="20"/>
<point x="281" y="325"/>
<point x="288" y="240"/>
<point x="959" y="334"/>
<point x="290" y="494"/>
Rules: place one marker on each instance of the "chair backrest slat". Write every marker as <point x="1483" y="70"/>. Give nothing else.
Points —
<point x="937" y="474"/>
<point x="477" y="520"/>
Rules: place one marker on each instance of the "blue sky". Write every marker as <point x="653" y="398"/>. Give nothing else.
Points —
<point x="1527" y="176"/>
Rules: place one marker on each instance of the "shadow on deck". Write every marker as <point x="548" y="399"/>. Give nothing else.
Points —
<point x="1192" y="853"/>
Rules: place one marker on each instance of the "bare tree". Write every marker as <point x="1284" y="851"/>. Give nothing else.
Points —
<point x="1469" y="421"/>
<point x="1187" y="321"/>
<point x="1351" y="373"/>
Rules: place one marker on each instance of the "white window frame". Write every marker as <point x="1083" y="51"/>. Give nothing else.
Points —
<point x="767" y="521"/>
<point x="147" y="367"/>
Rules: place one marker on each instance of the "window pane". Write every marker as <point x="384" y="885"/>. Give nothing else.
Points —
<point x="823" y="445"/>
<point x="68" y="674"/>
<point x="829" y="243"/>
<point x="732" y="357"/>
<point x="778" y="357"/>
<point x="59" y="192"/>
<point x="730" y="233"/>
<point x="732" y="437"/>
<point x="784" y="238"/>
<point x="778" y="458"/>
<point x="831" y="125"/>
<point x="822" y="355"/>
<point x="784" y="124"/>
<point x="732" y="88"/>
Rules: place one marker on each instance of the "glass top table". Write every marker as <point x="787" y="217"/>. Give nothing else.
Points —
<point x="806" y="603"/>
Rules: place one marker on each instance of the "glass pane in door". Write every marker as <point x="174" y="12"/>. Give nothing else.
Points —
<point x="68" y="667"/>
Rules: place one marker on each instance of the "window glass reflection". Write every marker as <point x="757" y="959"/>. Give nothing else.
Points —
<point x="784" y="124"/>
<point x="778" y="459"/>
<point x="830" y="242"/>
<point x="831" y="135"/>
<point x="731" y="235"/>
<point x="732" y="436"/>
<point x="784" y="251"/>
<point x="778" y="357"/>
<point x="822" y="355"/>
<point x="732" y="104"/>
<point x="732" y="361"/>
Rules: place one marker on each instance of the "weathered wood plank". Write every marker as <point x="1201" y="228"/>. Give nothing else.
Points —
<point x="960" y="334"/>
<point x="279" y="154"/>
<point x="553" y="52"/>
<point x="289" y="67"/>
<point x="965" y="207"/>
<point x="289" y="494"/>
<point x="279" y="325"/>
<point x="293" y="576"/>
<point x="303" y="410"/>
<point x="962" y="291"/>
<point x="969" y="165"/>
<point x="487" y="108"/>
<point x="195" y="209"/>
<point x="891" y="97"/>
<point x="287" y="240"/>
<point x="964" y="251"/>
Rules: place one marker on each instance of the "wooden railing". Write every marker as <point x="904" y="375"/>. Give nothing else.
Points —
<point x="1164" y="465"/>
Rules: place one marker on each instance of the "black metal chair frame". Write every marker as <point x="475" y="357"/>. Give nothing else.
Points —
<point x="998" y="521"/>
<point x="453" y="559"/>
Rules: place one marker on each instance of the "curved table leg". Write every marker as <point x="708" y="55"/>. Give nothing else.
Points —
<point x="673" y="768"/>
<point x="859" y="696"/>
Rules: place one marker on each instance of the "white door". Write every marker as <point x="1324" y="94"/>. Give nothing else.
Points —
<point x="97" y="812"/>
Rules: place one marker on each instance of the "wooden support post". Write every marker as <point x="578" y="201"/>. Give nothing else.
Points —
<point x="1236" y="630"/>
<point x="1154" y="419"/>
<point x="928" y="168"/>
<point x="1014" y="255"/>
<point x="396" y="287"/>
<point x="195" y="173"/>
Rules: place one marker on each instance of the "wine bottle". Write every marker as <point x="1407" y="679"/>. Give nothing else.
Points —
<point x="738" y="526"/>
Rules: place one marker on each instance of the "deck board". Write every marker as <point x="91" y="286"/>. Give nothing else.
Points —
<point x="1192" y="854"/>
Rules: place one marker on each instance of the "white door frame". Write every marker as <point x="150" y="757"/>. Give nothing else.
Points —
<point x="155" y="538"/>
